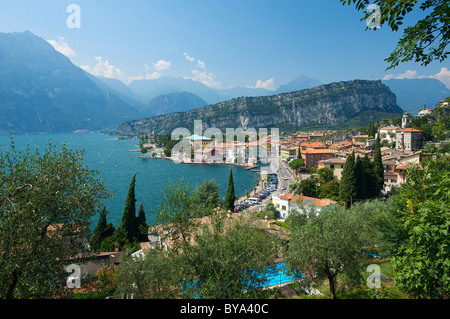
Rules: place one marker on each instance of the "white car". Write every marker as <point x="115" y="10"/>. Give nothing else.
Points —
<point x="285" y="178"/>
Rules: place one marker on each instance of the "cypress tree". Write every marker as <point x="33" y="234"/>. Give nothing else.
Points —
<point x="141" y="225"/>
<point x="127" y="224"/>
<point x="101" y="231"/>
<point x="347" y="187"/>
<point x="230" y="196"/>
<point x="299" y="153"/>
<point x="378" y="168"/>
<point x="371" y="182"/>
<point x="361" y="190"/>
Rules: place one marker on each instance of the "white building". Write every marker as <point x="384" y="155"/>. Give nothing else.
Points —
<point x="287" y="202"/>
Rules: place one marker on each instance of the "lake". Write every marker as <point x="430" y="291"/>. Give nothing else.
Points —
<point x="111" y="158"/>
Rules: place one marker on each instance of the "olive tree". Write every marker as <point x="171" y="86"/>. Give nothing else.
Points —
<point x="46" y="203"/>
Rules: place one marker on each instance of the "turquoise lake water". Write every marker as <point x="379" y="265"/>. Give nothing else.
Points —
<point x="117" y="166"/>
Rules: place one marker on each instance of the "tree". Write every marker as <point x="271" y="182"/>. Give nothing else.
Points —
<point x="422" y="42"/>
<point x="326" y="174"/>
<point x="141" y="230"/>
<point x="46" y="198"/>
<point x="102" y="231"/>
<point x="230" y="196"/>
<point x="347" y="187"/>
<point x="207" y="197"/>
<point x="328" y="244"/>
<point x="378" y="168"/>
<point x="422" y="261"/>
<point x="127" y="227"/>
<point x="361" y="189"/>
<point x="369" y="176"/>
<point x="220" y="258"/>
<point x="329" y="190"/>
<point x="297" y="163"/>
<point x="308" y="187"/>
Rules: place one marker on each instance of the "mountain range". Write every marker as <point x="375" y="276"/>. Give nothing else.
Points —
<point x="42" y="91"/>
<point x="324" y="105"/>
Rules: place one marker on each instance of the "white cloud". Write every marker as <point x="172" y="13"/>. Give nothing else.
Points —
<point x="162" y="65"/>
<point x="410" y="74"/>
<point x="260" y="84"/>
<point x="105" y="69"/>
<point x="201" y="65"/>
<point x="189" y="58"/>
<point x="62" y="46"/>
<point x="443" y="75"/>
<point x="208" y="79"/>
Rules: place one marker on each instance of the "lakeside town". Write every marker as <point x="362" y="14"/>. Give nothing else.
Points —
<point x="304" y="156"/>
<point x="308" y="179"/>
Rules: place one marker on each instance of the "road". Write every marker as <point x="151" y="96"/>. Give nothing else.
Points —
<point x="284" y="171"/>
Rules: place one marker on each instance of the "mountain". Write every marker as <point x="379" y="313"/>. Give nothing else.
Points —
<point x="325" y="105"/>
<point x="121" y="90"/>
<point x="173" y="102"/>
<point x="413" y="94"/>
<point x="42" y="91"/>
<point x="300" y="83"/>
<point x="145" y="90"/>
<point x="149" y="89"/>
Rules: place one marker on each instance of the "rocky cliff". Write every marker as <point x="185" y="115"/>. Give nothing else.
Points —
<point x="329" y="104"/>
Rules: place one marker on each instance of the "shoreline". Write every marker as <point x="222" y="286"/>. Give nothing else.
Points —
<point x="250" y="167"/>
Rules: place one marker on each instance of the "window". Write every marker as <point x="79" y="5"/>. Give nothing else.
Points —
<point x="283" y="207"/>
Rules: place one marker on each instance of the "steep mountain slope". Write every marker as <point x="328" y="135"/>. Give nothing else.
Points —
<point x="173" y="102"/>
<point x="329" y="104"/>
<point x="42" y="91"/>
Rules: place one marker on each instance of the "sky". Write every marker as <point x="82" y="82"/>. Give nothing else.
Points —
<point x="220" y="43"/>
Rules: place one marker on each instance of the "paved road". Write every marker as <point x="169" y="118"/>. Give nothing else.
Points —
<point x="283" y="171"/>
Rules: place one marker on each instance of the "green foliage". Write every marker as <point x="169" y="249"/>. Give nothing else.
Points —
<point x="127" y="227"/>
<point x="325" y="174"/>
<point x="361" y="189"/>
<point x="297" y="163"/>
<point x="230" y="195"/>
<point x="347" y="189"/>
<point x="207" y="197"/>
<point x="222" y="258"/>
<point x="46" y="198"/>
<point x="378" y="168"/>
<point x="270" y="211"/>
<point x="101" y="231"/>
<point x="370" y="179"/>
<point x="329" y="190"/>
<point x="331" y="243"/>
<point x="141" y="227"/>
<point x="422" y="263"/>
<point x="424" y="41"/>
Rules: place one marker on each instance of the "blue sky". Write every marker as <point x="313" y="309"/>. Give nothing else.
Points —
<point x="221" y="43"/>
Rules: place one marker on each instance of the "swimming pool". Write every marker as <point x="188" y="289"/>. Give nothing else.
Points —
<point x="276" y="274"/>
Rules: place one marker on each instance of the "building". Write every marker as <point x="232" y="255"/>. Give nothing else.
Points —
<point x="406" y="119"/>
<point x="425" y="111"/>
<point x="287" y="202"/>
<point x="313" y="146"/>
<point x="312" y="157"/>
<point x="443" y="103"/>
<point x="288" y="152"/>
<point x="388" y="133"/>
<point x="335" y="164"/>
<point x="408" y="139"/>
